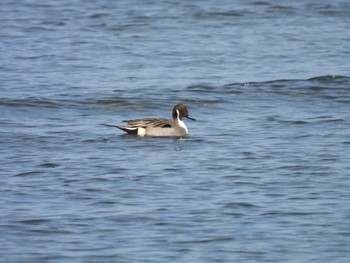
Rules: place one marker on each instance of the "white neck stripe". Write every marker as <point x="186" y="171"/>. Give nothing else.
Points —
<point x="180" y="122"/>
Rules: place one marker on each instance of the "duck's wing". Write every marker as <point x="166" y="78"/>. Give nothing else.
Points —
<point x="154" y="123"/>
<point x="133" y="126"/>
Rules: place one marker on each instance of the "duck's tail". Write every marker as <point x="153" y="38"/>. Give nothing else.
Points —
<point x="127" y="129"/>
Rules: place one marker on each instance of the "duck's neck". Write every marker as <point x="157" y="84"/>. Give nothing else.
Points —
<point x="180" y="122"/>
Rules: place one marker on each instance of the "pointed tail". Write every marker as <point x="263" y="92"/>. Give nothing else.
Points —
<point x="123" y="128"/>
<point x="114" y="126"/>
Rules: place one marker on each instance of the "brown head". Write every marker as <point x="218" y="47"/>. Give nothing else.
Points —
<point x="181" y="111"/>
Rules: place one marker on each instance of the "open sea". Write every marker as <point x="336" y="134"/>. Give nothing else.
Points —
<point x="264" y="175"/>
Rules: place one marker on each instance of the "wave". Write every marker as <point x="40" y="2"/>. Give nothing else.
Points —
<point x="321" y="79"/>
<point x="333" y="87"/>
<point x="329" y="87"/>
<point x="321" y="84"/>
<point x="28" y="102"/>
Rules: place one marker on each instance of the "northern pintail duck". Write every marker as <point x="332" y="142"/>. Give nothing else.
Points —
<point x="159" y="127"/>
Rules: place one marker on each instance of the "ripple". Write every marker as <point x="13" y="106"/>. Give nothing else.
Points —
<point x="29" y="173"/>
<point x="98" y="15"/>
<point x="49" y="165"/>
<point x="34" y="221"/>
<point x="28" y="102"/>
<point x="239" y="205"/>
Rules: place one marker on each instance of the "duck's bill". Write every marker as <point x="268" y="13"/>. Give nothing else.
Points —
<point x="191" y="118"/>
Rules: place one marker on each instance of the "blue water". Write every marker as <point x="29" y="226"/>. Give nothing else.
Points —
<point x="263" y="175"/>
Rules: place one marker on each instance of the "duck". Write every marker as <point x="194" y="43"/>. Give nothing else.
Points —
<point x="158" y="127"/>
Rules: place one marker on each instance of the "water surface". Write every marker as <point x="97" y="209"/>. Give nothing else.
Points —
<point x="263" y="175"/>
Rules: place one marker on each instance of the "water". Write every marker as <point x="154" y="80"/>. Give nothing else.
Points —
<point x="263" y="176"/>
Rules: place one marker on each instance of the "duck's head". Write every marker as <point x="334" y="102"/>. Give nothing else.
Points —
<point x="180" y="111"/>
